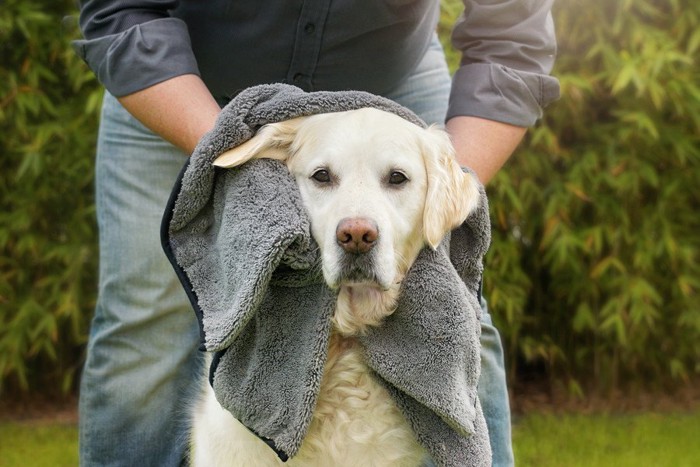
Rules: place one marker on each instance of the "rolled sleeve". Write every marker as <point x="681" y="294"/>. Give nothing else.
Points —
<point x="496" y="92"/>
<point x="508" y="49"/>
<point x="140" y="56"/>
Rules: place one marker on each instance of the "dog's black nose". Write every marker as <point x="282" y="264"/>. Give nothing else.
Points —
<point x="357" y="234"/>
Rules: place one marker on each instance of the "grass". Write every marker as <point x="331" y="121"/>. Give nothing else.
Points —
<point x="38" y="444"/>
<point x="608" y="440"/>
<point x="539" y="440"/>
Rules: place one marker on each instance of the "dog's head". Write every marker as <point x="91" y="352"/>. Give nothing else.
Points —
<point x="377" y="189"/>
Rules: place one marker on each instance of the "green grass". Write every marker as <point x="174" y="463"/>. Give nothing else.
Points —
<point x="539" y="440"/>
<point x="38" y="444"/>
<point x="608" y="440"/>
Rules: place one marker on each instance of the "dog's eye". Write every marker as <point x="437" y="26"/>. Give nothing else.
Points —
<point x="322" y="176"/>
<point x="397" y="178"/>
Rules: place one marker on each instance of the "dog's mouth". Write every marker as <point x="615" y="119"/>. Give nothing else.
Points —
<point x="359" y="270"/>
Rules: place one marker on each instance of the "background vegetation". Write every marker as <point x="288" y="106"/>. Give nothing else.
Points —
<point x="48" y="118"/>
<point x="593" y="275"/>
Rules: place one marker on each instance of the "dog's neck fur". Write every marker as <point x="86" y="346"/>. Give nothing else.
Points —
<point x="361" y="306"/>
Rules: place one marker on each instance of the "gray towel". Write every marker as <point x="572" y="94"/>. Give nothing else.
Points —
<point x="240" y="242"/>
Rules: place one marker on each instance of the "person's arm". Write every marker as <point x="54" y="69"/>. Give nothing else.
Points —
<point x="483" y="145"/>
<point x="180" y="109"/>
<point x="132" y="45"/>
<point x="503" y="82"/>
<point x="143" y="56"/>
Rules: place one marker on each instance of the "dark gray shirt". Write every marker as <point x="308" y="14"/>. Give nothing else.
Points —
<point x="508" y="47"/>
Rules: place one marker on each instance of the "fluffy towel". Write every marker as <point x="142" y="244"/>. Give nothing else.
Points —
<point x="240" y="242"/>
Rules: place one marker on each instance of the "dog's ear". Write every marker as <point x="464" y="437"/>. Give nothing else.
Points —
<point x="272" y="141"/>
<point x="451" y="194"/>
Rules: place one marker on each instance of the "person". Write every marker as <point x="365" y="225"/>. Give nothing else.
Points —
<point x="169" y="66"/>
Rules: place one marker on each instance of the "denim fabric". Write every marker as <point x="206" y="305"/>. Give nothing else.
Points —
<point x="493" y="392"/>
<point x="142" y="360"/>
<point x="142" y="345"/>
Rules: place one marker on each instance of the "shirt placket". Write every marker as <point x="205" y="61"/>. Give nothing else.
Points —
<point x="307" y="43"/>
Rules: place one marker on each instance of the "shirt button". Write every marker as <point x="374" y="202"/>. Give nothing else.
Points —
<point x="309" y="28"/>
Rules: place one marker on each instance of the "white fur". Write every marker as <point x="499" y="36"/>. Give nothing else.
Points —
<point x="355" y="421"/>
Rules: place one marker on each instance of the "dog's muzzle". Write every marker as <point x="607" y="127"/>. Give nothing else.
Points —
<point x="357" y="236"/>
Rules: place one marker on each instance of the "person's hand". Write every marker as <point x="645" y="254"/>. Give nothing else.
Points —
<point x="483" y="145"/>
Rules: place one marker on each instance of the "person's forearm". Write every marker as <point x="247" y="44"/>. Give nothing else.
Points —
<point x="483" y="145"/>
<point x="181" y="110"/>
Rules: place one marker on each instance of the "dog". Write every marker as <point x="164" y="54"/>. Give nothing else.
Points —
<point x="377" y="190"/>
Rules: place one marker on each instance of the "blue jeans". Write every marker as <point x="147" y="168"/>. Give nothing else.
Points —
<point x="142" y="359"/>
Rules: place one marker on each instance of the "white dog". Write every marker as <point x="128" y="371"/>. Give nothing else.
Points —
<point x="377" y="189"/>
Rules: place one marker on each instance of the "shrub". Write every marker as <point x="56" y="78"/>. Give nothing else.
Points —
<point x="48" y="118"/>
<point x="594" y="269"/>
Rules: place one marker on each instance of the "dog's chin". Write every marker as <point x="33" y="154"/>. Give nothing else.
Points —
<point x="363" y="304"/>
<point x="358" y="282"/>
<point x="356" y="271"/>
<point x="360" y="278"/>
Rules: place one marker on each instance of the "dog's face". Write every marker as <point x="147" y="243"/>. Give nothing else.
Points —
<point x="365" y="193"/>
<point x="377" y="189"/>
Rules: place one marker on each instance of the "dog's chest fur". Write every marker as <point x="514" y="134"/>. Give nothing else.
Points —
<point x="355" y="423"/>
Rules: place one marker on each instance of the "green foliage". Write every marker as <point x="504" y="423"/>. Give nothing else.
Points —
<point x="48" y="118"/>
<point x="594" y="269"/>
